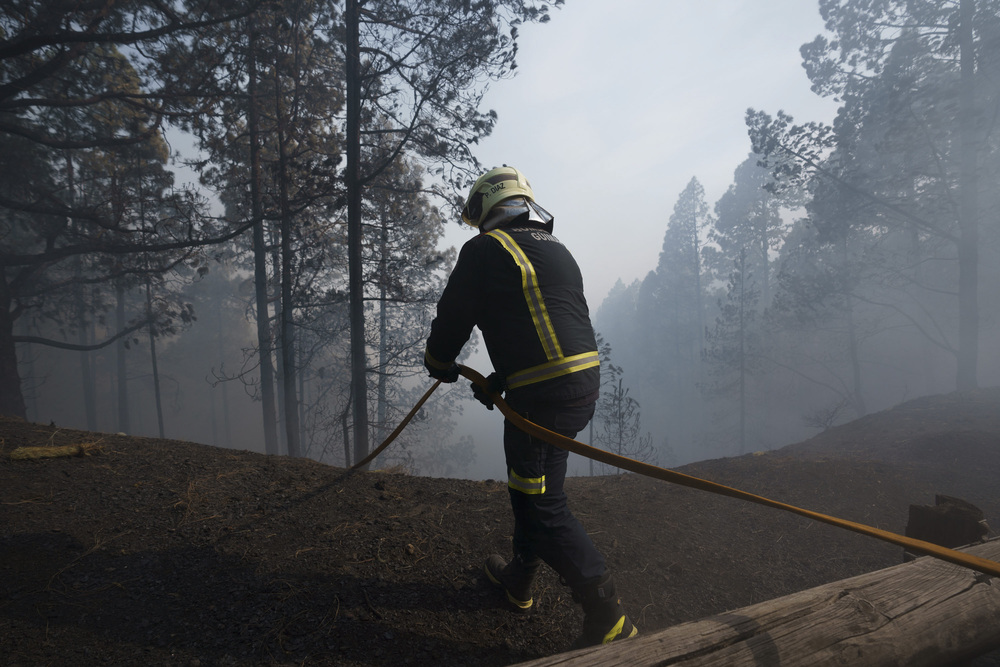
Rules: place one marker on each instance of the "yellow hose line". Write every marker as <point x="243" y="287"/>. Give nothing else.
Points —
<point x="983" y="565"/>
<point x="399" y="429"/>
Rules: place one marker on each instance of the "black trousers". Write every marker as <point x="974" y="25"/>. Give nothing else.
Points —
<point x="544" y="527"/>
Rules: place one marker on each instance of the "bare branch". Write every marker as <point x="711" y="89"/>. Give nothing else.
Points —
<point x="38" y="340"/>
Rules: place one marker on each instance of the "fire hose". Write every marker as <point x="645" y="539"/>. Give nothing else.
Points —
<point x="983" y="565"/>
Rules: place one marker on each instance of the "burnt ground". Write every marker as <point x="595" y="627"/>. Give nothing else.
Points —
<point x="158" y="552"/>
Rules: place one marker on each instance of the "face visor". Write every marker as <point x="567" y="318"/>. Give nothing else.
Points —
<point x="513" y="208"/>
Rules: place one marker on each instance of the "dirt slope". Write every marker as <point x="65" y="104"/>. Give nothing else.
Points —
<point x="159" y="552"/>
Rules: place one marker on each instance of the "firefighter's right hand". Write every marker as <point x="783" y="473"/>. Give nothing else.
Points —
<point x="493" y="385"/>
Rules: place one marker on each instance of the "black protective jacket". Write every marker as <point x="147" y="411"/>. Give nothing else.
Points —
<point x="524" y="291"/>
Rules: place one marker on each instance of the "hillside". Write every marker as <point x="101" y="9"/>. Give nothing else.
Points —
<point x="159" y="552"/>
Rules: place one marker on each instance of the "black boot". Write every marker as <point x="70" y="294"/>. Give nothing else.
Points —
<point x="514" y="577"/>
<point x="604" y="621"/>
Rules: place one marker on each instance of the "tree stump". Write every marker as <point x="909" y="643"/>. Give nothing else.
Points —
<point x="950" y="522"/>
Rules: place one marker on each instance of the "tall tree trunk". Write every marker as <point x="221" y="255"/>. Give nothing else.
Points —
<point x="86" y="370"/>
<point x="260" y="259"/>
<point x="620" y="405"/>
<point x="302" y="398"/>
<point x="213" y="420"/>
<point x="345" y="430"/>
<point x="383" y="326"/>
<point x="352" y="176"/>
<point x="124" y="425"/>
<point x="279" y="358"/>
<point x="28" y="363"/>
<point x="227" y="429"/>
<point x="700" y="301"/>
<point x="152" y="358"/>
<point x="968" y="183"/>
<point x="287" y="334"/>
<point x="858" y="396"/>
<point x="86" y="373"/>
<point x="695" y="410"/>
<point x="765" y="263"/>
<point x="743" y="353"/>
<point x="11" y="398"/>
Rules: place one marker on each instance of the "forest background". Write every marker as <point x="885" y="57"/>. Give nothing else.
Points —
<point x="847" y="267"/>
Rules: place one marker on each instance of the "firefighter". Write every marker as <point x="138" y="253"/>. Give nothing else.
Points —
<point x="524" y="291"/>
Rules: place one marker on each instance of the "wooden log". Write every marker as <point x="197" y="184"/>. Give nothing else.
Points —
<point x="926" y="612"/>
<point x="31" y="453"/>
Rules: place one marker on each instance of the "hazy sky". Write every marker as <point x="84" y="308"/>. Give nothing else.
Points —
<point x="616" y="105"/>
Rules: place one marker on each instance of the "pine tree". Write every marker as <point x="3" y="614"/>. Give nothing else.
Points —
<point x="918" y="84"/>
<point x="734" y="349"/>
<point x="415" y="72"/>
<point x="619" y="416"/>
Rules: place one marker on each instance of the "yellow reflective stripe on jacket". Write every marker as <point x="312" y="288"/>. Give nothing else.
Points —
<point x="429" y="358"/>
<point x="532" y="294"/>
<point x="530" y="485"/>
<point x="552" y="369"/>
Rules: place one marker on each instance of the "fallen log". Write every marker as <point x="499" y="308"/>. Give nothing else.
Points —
<point x="59" y="451"/>
<point x="926" y="612"/>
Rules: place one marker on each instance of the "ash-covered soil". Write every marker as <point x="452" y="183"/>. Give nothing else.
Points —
<point x="159" y="552"/>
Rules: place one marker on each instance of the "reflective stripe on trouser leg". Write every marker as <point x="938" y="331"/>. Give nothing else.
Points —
<point x="529" y="485"/>
<point x="544" y="526"/>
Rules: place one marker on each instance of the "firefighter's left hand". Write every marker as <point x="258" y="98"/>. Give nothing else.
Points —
<point x="449" y="374"/>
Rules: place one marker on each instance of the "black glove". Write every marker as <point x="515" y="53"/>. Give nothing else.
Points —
<point x="449" y="374"/>
<point x="494" y="384"/>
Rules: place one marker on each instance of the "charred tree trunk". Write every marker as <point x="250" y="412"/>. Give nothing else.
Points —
<point x="287" y="334"/>
<point x="302" y="399"/>
<point x="29" y="390"/>
<point x="11" y="398"/>
<point x="352" y="176"/>
<point x="743" y="352"/>
<point x="152" y="358"/>
<point x="857" y="391"/>
<point x="124" y="425"/>
<point x="227" y="429"/>
<point x="345" y="429"/>
<point x="383" y="328"/>
<point x="86" y="370"/>
<point x="274" y="243"/>
<point x="699" y="337"/>
<point x="260" y="260"/>
<point x="86" y="373"/>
